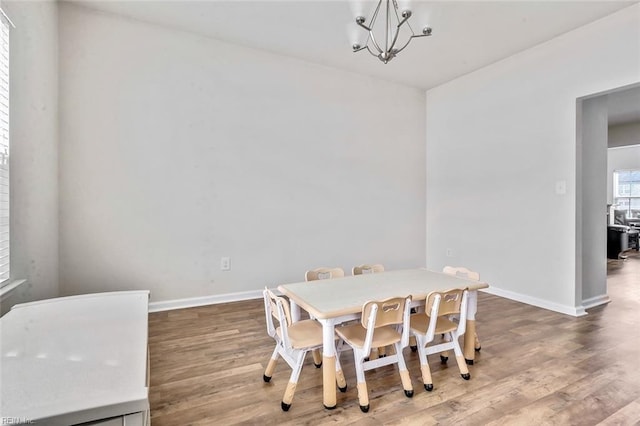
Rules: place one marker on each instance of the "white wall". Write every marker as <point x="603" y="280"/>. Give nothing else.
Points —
<point x="621" y="158"/>
<point x="498" y="141"/>
<point x="591" y="177"/>
<point x="34" y="149"/>
<point x="178" y="149"/>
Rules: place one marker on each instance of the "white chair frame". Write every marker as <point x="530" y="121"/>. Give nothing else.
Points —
<point x="361" y="354"/>
<point x="424" y="338"/>
<point x="293" y="356"/>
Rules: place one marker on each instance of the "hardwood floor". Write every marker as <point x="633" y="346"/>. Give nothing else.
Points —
<point x="535" y="367"/>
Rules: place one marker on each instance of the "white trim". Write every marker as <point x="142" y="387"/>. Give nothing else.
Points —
<point x="595" y="301"/>
<point x="167" y="305"/>
<point x="7" y="18"/>
<point x="574" y="311"/>
<point x="6" y="290"/>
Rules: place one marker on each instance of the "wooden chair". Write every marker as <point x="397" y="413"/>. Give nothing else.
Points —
<point x="460" y="271"/>
<point x="293" y="341"/>
<point x="434" y="320"/>
<point x="371" y="269"/>
<point x="367" y="269"/>
<point x="383" y="323"/>
<point x="322" y="274"/>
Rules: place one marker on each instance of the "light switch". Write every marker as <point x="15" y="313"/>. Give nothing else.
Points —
<point x="225" y="263"/>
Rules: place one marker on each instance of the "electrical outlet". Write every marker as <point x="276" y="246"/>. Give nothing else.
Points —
<point x="449" y="252"/>
<point x="225" y="263"/>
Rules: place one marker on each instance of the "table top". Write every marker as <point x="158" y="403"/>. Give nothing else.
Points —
<point x="343" y="296"/>
<point x="75" y="359"/>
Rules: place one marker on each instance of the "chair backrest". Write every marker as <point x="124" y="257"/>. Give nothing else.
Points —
<point x="277" y="307"/>
<point x="448" y="302"/>
<point x="460" y="271"/>
<point x="367" y="269"/>
<point x="323" y="274"/>
<point x="393" y="311"/>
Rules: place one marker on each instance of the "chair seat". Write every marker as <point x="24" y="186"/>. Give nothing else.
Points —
<point x="355" y="335"/>
<point x="420" y="322"/>
<point x="304" y="334"/>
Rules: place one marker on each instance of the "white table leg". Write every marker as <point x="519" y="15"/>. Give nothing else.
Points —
<point x="328" y="364"/>
<point x="295" y="311"/>
<point x="470" y="333"/>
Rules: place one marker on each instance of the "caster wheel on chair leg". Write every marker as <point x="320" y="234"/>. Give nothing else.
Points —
<point x="285" y="407"/>
<point x="478" y="348"/>
<point x="428" y="387"/>
<point x="364" y="408"/>
<point x="468" y="361"/>
<point x="408" y="393"/>
<point x="343" y="390"/>
<point x="266" y="378"/>
<point x="466" y="376"/>
<point x="317" y="365"/>
<point x="444" y="359"/>
<point x="414" y="348"/>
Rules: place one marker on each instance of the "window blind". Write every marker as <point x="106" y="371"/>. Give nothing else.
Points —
<point x="5" y="25"/>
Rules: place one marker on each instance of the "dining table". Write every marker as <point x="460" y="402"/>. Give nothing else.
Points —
<point x="337" y="300"/>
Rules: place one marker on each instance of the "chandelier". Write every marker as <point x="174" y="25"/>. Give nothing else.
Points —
<point x="394" y="22"/>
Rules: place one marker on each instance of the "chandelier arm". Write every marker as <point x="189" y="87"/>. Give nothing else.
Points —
<point x="375" y="44"/>
<point x="387" y="26"/>
<point x="391" y="37"/>
<point x="395" y="38"/>
<point x="411" y="28"/>
<point x="363" y="26"/>
<point x="372" y="53"/>
<point x="411" y="38"/>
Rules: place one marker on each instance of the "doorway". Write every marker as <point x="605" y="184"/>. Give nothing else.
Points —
<point x="611" y="118"/>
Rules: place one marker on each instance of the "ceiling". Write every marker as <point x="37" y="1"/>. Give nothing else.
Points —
<point x="467" y="35"/>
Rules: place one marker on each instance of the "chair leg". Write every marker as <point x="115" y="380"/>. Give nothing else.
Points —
<point x="444" y="355"/>
<point x="340" y="380"/>
<point x="363" y="396"/>
<point x="412" y="343"/>
<point x="373" y="354"/>
<point x="268" y="372"/>
<point x="404" y="373"/>
<point x="424" y="365"/>
<point x="382" y="351"/>
<point x="426" y="377"/>
<point x="476" y="345"/>
<point x="293" y="382"/>
<point x="317" y="358"/>
<point x="462" y="363"/>
<point x="363" y="393"/>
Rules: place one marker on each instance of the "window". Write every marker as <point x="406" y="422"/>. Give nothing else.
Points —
<point x="5" y="25"/>
<point x="626" y="191"/>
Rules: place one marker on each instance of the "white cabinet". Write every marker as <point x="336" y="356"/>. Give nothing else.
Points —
<point x="76" y="360"/>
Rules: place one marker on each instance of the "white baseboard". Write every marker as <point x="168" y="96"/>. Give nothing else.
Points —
<point x="595" y="301"/>
<point x="534" y="301"/>
<point x="167" y="305"/>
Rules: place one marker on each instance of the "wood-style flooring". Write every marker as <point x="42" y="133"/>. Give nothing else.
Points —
<point x="536" y="367"/>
